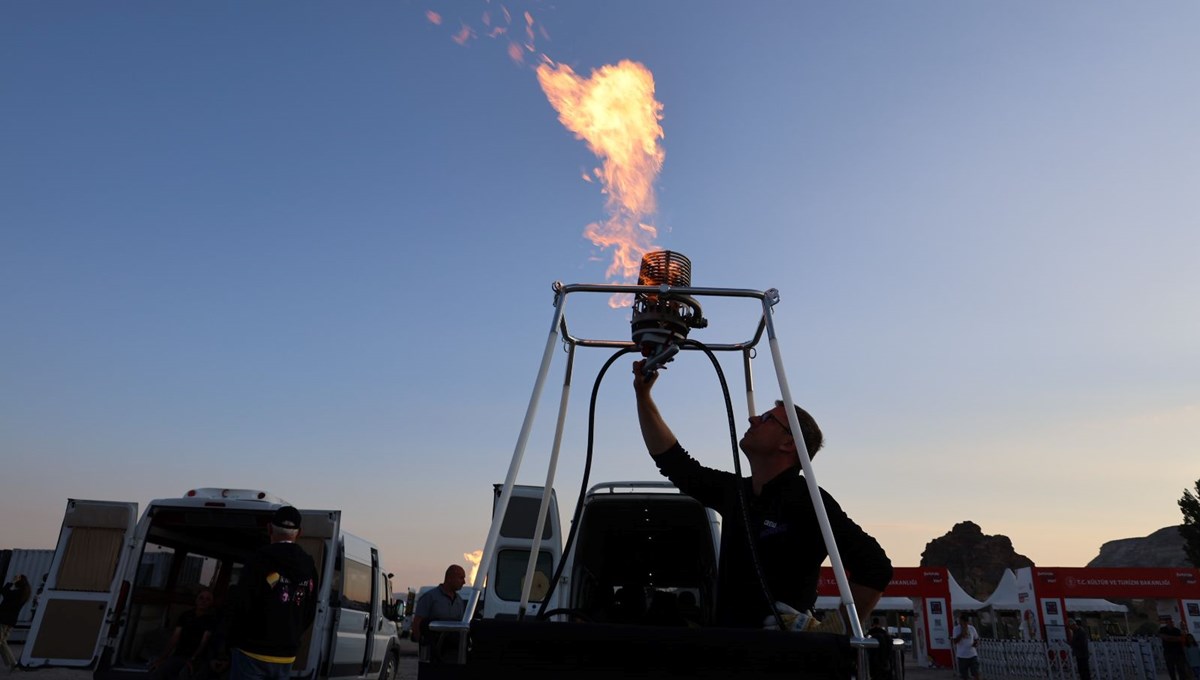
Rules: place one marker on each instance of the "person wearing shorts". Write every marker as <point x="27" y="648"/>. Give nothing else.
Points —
<point x="966" y="648"/>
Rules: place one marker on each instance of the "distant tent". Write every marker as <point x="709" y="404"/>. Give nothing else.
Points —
<point x="1004" y="597"/>
<point x="959" y="599"/>
<point x="886" y="604"/>
<point x="1089" y="604"/>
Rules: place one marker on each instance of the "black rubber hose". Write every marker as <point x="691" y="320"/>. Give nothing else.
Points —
<point x="741" y="487"/>
<point x="587" y="472"/>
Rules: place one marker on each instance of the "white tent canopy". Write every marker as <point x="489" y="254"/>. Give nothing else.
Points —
<point x="1088" y="604"/>
<point x="959" y="598"/>
<point x="1005" y="598"/>
<point x="889" y="604"/>
<point x="1005" y="594"/>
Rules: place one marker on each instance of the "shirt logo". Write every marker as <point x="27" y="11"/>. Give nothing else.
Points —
<point x="771" y="528"/>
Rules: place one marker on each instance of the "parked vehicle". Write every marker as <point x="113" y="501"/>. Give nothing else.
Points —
<point x="35" y="565"/>
<point x="117" y="584"/>
<point x="514" y="543"/>
<point x="639" y="546"/>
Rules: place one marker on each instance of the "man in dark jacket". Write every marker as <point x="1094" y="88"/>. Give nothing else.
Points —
<point x="785" y="533"/>
<point x="15" y="594"/>
<point x="1078" y="637"/>
<point x="276" y="604"/>
<point x="881" y="660"/>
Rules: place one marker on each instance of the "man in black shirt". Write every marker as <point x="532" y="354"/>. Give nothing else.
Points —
<point x="787" y="533"/>
<point x="1172" y="645"/>
<point x="881" y="660"/>
<point x="275" y="604"/>
<point x="188" y="647"/>
<point x="1078" y="638"/>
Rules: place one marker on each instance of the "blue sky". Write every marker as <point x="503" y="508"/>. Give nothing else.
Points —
<point x="309" y="247"/>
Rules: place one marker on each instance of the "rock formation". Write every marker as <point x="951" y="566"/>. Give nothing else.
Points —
<point x="1163" y="548"/>
<point x="977" y="561"/>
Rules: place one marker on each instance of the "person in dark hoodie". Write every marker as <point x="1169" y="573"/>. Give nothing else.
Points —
<point x="14" y="595"/>
<point x="276" y="604"/>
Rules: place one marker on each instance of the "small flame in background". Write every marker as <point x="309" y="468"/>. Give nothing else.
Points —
<point x="615" y="112"/>
<point x="473" y="558"/>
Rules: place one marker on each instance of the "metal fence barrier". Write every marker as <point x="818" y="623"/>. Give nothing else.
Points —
<point x="1110" y="659"/>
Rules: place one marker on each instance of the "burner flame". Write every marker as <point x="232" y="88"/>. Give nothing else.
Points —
<point x="615" y="112"/>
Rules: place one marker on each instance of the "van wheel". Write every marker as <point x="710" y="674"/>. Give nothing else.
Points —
<point x="389" y="668"/>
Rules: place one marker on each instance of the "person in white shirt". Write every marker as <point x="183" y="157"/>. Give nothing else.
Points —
<point x="966" y="647"/>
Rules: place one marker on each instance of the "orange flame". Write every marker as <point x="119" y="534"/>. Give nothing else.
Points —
<point x="489" y="24"/>
<point x="464" y="34"/>
<point x="616" y="113"/>
<point x="515" y="53"/>
<point x="473" y="558"/>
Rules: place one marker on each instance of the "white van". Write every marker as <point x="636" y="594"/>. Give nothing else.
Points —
<point x="638" y="542"/>
<point x="634" y="539"/>
<point x="514" y="544"/>
<point x="117" y="584"/>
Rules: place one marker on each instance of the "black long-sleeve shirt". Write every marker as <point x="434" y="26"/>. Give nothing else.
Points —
<point x="788" y="539"/>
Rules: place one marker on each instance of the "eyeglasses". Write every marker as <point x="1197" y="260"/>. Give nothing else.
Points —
<point x="771" y="416"/>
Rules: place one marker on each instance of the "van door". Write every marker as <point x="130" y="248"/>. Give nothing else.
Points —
<point x="79" y="602"/>
<point x="354" y="593"/>
<point x="506" y="576"/>
<point x="319" y="538"/>
<point x="382" y="628"/>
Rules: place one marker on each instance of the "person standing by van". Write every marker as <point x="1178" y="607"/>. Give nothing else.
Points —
<point x="439" y="604"/>
<point x="785" y="530"/>
<point x="15" y="595"/>
<point x="275" y="604"/>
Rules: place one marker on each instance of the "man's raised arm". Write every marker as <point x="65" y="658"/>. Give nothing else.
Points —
<point x="655" y="433"/>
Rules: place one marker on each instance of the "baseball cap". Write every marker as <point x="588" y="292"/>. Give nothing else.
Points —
<point x="286" y="517"/>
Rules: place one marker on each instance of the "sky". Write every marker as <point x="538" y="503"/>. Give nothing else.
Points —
<point x="309" y="248"/>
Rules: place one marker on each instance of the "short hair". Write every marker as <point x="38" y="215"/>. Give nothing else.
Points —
<point x="964" y="617"/>
<point x="453" y="568"/>
<point x="813" y="439"/>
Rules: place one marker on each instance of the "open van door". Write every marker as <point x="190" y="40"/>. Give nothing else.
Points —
<point x="79" y="601"/>
<point x="319" y="538"/>
<point x="518" y="534"/>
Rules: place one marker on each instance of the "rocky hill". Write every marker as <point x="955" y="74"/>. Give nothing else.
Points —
<point x="1163" y="548"/>
<point x="976" y="560"/>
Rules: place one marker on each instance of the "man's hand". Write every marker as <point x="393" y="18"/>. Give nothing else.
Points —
<point x="642" y="383"/>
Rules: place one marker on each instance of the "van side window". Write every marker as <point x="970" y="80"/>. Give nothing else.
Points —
<point x="510" y="571"/>
<point x="521" y="516"/>
<point x="197" y="571"/>
<point x="356" y="586"/>
<point x="154" y="566"/>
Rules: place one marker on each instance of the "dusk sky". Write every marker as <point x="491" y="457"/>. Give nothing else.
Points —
<point x="308" y="247"/>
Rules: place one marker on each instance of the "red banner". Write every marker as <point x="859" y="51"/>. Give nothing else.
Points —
<point x="906" y="582"/>
<point x="1150" y="583"/>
